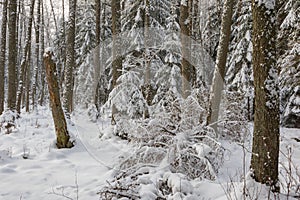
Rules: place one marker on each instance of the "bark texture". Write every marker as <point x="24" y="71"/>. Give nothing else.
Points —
<point x="2" y="54"/>
<point x="62" y="135"/>
<point x="41" y="101"/>
<point x="37" y="54"/>
<point x="116" y="57"/>
<point x="70" y="59"/>
<point x="220" y="68"/>
<point x="186" y="69"/>
<point x="12" y="55"/>
<point x="25" y="63"/>
<point x="265" y="149"/>
<point x="97" y="53"/>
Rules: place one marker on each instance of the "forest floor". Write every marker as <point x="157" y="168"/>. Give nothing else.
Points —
<point x="32" y="168"/>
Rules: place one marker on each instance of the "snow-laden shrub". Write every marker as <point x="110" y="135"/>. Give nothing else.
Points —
<point x="146" y="155"/>
<point x="124" y="185"/>
<point x="93" y="113"/>
<point x="147" y="183"/>
<point x="234" y="124"/>
<point x="173" y="140"/>
<point x="196" y="154"/>
<point x="7" y="121"/>
<point x="127" y="96"/>
<point x="193" y="154"/>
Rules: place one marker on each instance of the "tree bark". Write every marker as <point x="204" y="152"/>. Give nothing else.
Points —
<point x="265" y="149"/>
<point x="70" y="61"/>
<point x="2" y="53"/>
<point x="116" y="57"/>
<point x="97" y="54"/>
<point x="12" y="55"/>
<point x="220" y="68"/>
<point x="187" y="71"/>
<point x="37" y="54"/>
<point x="147" y="74"/>
<point x="25" y="63"/>
<point x="62" y="134"/>
<point x="41" y="56"/>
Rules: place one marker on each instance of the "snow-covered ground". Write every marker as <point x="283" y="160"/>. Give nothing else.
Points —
<point x="31" y="168"/>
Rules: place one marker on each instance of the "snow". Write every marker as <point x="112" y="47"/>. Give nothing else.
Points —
<point x="32" y="168"/>
<point x="49" y="170"/>
<point x="184" y="2"/>
<point x="269" y="4"/>
<point x="47" y="51"/>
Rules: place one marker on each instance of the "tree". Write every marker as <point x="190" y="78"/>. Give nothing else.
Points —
<point x="37" y="54"/>
<point x="116" y="57"/>
<point x="219" y="74"/>
<point x="239" y="74"/>
<point x="97" y="53"/>
<point x="85" y="42"/>
<point x="211" y="31"/>
<point x="2" y="54"/>
<point x="12" y="55"/>
<point x="62" y="134"/>
<point x="42" y="74"/>
<point x="70" y="59"/>
<point x="289" y="62"/>
<point x="186" y="70"/>
<point x="265" y="149"/>
<point x="25" y="63"/>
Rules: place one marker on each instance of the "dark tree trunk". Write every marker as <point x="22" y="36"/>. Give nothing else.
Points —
<point x="41" y="56"/>
<point x="70" y="60"/>
<point x="116" y="57"/>
<point x="186" y="69"/>
<point x="12" y="55"/>
<point x="62" y="135"/>
<point x="265" y="150"/>
<point x="37" y="54"/>
<point x="2" y="54"/>
<point x="97" y="54"/>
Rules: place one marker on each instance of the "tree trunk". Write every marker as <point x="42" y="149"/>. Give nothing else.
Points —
<point x="186" y="68"/>
<point x="37" y="54"/>
<point x="70" y="62"/>
<point x="97" y="54"/>
<point x="265" y="149"/>
<point x="25" y="63"/>
<point x="220" y="68"/>
<point x="147" y="73"/>
<point x="2" y="54"/>
<point x="116" y="57"/>
<point x="41" y="56"/>
<point x="28" y="83"/>
<point x="62" y="135"/>
<point x="12" y="55"/>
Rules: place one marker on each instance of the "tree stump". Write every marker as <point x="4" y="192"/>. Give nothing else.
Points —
<point x="62" y="134"/>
